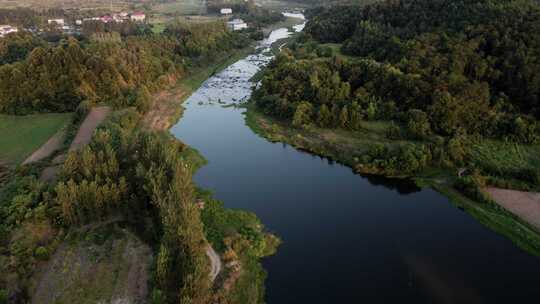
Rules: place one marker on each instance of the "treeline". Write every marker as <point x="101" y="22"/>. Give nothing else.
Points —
<point x="424" y="63"/>
<point x="448" y="44"/>
<point x="141" y="175"/>
<point x="106" y="69"/>
<point x="17" y="46"/>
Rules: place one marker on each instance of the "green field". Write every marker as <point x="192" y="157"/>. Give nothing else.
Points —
<point x="22" y="135"/>
<point x="181" y="7"/>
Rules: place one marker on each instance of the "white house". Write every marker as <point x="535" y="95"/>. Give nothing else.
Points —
<point x="7" y="29"/>
<point x="226" y="11"/>
<point x="237" y="25"/>
<point x="138" y="17"/>
<point x="58" y="22"/>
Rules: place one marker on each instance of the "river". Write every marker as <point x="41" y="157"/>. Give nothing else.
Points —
<point x="346" y="238"/>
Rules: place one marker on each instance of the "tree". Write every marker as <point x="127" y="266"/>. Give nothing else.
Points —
<point x="344" y="118"/>
<point x="302" y="115"/>
<point x="143" y="100"/>
<point x="418" y="124"/>
<point x="324" y="118"/>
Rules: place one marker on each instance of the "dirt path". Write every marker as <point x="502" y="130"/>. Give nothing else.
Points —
<point x="96" y="116"/>
<point x="525" y="205"/>
<point x="89" y="125"/>
<point x="47" y="149"/>
<point x="215" y="262"/>
<point x="166" y="106"/>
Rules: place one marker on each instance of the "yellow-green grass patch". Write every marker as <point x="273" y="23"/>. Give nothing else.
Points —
<point x="20" y="136"/>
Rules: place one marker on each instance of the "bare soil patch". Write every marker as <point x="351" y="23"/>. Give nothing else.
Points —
<point x="102" y="266"/>
<point x="166" y="107"/>
<point x="96" y="116"/>
<point x="525" y="205"/>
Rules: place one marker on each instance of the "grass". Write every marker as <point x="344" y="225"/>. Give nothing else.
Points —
<point x="181" y="7"/>
<point x="496" y="218"/>
<point x="506" y="156"/>
<point x="340" y="145"/>
<point x="67" y="4"/>
<point x="336" y="49"/>
<point x="20" y="136"/>
<point x="97" y="265"/>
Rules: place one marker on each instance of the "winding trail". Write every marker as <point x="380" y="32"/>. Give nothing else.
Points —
<point x="215" y="262"/>
<point x="96" y="116"/>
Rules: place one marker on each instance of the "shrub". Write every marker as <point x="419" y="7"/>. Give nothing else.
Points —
<point x="41" y="253"/>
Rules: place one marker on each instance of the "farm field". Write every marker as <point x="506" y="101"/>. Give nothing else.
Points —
<point x="22" y="135"/>
<point x="68" y="4"/>
<point x="181" y="7"/>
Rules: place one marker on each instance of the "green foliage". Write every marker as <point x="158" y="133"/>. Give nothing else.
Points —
<point x="140" y="175"/>
<point x="59" y="77"/>
<point x="302" y="115"/>
<point x="418" y="124"/>
<point x="17" y="46"/>
<point x="42" y="253"/>
<point x="454" y="60"/>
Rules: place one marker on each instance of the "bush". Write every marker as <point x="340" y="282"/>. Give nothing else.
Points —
<point x="41" y="253"/>
<point x="418" y="124"/>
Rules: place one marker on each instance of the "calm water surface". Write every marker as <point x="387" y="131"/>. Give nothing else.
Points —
<point x="346" y="238"/>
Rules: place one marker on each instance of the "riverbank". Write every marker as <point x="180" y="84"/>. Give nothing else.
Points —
<point x="237" y="239"/>
<point x="345" y="147"/>
<point x="167" y="109"/>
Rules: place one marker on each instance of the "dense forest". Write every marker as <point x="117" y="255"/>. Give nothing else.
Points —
<point x="104" y="67"/>
<point x="444" y="73"/>
<point x="467" y="66"/>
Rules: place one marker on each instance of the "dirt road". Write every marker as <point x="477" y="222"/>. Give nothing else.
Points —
<point x="525" y="205"/>
<point x="47" y="149"/>
<point x="89" y="125"/>
<point x="96" y="116"/>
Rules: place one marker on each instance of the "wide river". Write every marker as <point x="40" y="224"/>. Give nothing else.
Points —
<point x="346" y="238"/>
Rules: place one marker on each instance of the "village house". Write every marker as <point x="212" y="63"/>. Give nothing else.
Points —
<point x="120" y="17"/>
<point x="57" y="22"/>
<point x="226" y="11"/>
<point x="237" y="25"/>
<point x="7" y="29"/>
<point x="138" y="17"/>
<point x="106" y="19"/>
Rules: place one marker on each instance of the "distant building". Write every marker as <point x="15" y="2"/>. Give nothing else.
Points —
<point x="120" y="17"/>
<point x="92" y="19"/>
<point x="58" y="22"/>
<point x="138" y="17"/>
<point x="7" y="29"/>
<point x="237" y="25"/>
<point x="106" y="19"/>
<point x="226" y="11"/>
<point x="78" y="22"/>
